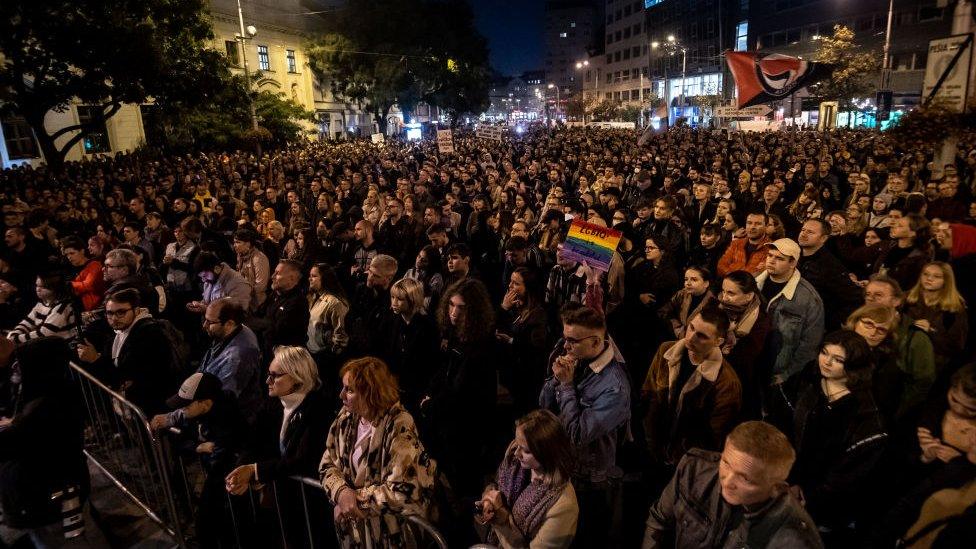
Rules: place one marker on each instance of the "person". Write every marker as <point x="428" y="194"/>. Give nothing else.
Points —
<point x="910" y="251"/>
<point x="253" y="265"/>
<point x="915" y="357"/>
<point x="288" y="438"/>
<point x="686" y="302"/>
<point x="949" y="418"/>
<point x="375" y="470"/>
<point x="938" y="510"/>
<point x="522" y="332"/>
<point x="134" y="361"/>
<point x="533" y="503"/>
<point x="735" y="498"/>
<point x="691" y="393"/>
<point x="795" y="311"/>
<point x="819" y="267"/>
<point x="212" y="431"/>
<point x="369" y="319"/>
<point x="44" y="480"/>
<point x="461" y="398"/>
<point x="412" y="350"/>
<point x="178" y="259"/>
<point x="836" y="427"/>
<point x="234" y="356"/>
<point x="749" y="328"/>
<point x="326" y="334"/>
<point x="219" y="280"/>
<point x="88" y="284"/>
<point x="749" y="253"/>
<point x="427" y="271"/>
<point x="589" y="390"/>
<point x="54" y="314"/>
<point x="283" y="319"/>
<point x="938" y="310"/>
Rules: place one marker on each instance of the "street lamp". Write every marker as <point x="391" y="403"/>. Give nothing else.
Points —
<point x="672" y="46"/>
<point x="247" y="33"/>
<point x="551" y="86"/>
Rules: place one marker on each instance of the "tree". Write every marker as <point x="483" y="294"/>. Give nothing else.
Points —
<point x="606" y="109"/>
<point x="103" y="53"/>
<point x="629" y="113"/>
<point x="225" y="120"/>
<point x="579" y="105"/>
<point x="382" y="53"/>
<point x="851" y="68"/>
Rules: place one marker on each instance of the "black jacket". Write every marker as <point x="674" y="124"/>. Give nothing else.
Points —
<point x="838" y="446"/>
<point x="369" y="320"/>
<point x="304" y="443"/>
<point x="411" y="352"/>
<point x="41" y="450"/>
<point x="830" y="278"/>
<point x="282" y="320"/>
<point x="145" y="367"/>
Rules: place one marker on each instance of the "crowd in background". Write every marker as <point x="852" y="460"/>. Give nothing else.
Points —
<point x="778" y="354"/>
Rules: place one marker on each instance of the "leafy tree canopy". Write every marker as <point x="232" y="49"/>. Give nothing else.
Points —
<point x="381" y="53"/>
<point x="104" y="53"/>
<point x="852" y="66"/>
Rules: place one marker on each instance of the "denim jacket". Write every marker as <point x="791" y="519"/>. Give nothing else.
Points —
<point x="797" y="317"/>
<point x="594" y="409"/>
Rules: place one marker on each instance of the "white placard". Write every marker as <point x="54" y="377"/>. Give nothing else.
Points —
<point x="377" y="138"/>
<point x="445" y="141"/>
<point x="747" y="112"/>
<point x="955" y="87"/>
<point x="491" y="133"/>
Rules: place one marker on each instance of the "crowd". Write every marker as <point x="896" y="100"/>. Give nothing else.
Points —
<point x="778" y="354"/>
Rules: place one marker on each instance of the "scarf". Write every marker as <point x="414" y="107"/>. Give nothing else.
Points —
<point x="529" y="501"/>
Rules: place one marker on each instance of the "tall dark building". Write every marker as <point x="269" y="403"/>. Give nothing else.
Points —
<point x="792" y="27"/>
<point x="704" y="28"/>
<point x="569" y="34"/>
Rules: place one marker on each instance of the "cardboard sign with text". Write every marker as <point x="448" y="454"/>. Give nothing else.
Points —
<point x="591" y="243"/>
<point x="445" y="141"/>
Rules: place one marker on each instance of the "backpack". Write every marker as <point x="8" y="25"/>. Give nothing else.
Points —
<point x="180" y="349"/>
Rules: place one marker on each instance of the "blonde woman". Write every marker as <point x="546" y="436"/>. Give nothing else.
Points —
<point x="374" y="469"/>
<point x="414" y="341"/>
<point x="939" y="310"/>
<point x="904" y="365"/>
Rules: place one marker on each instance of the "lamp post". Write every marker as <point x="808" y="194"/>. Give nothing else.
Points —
<point x="246" y="33"/>
<point x="596" y="84"/>
<point x="551" y="86"/>
<point x="672" y="46"/>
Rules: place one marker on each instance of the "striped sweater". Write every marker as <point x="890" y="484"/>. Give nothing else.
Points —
<point x="57" y="319"/>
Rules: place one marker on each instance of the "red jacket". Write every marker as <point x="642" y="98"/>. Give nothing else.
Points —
<point x="736" y="259"/>
<point x="89" y="285"/>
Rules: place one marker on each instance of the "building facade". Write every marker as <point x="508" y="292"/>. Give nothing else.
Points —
<point x="620" y="73"/>
<point x="793" y="28"/>
<point x="570" y="33"/>
<point x="277" y="50"/>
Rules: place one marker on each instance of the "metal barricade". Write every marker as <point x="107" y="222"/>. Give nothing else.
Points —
<point x="166" y="484"/>
<point x="120" y="444"/>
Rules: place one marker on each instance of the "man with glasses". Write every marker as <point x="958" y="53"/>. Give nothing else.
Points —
<point x="138" y="361"/>
<point x="589" y="390"/>
<point x="234" y="357"/>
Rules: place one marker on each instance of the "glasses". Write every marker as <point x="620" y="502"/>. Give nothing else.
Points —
<point x="649" y="248"/>
<point x="117" y="313"/>
<point x="574" y="341"/>
<point x="273" y="376"/>
<point x="872" y="325"/>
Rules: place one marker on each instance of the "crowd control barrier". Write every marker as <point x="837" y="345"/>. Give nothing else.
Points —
<point x="166" y="481"/>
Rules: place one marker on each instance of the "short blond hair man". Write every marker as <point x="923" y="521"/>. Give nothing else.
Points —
<point x="710" y="489"/>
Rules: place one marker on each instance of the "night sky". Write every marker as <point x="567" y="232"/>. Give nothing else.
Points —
<point x="514" y="29"/>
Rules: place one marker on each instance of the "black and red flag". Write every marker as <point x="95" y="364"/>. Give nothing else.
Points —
<point x="763" y="78"/>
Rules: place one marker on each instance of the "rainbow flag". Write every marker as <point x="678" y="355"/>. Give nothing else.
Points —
<point x="591" y="244"/>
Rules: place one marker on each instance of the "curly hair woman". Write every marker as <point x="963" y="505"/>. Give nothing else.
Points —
<point x="460" y="401"/>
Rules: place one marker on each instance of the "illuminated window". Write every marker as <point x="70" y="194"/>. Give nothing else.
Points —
<point x="562" y="35"/>
<point x="95" y="141"/>
<point x="264" y="60"/>
<point x="741" y="36"/>
<point x="292" y="63"/>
